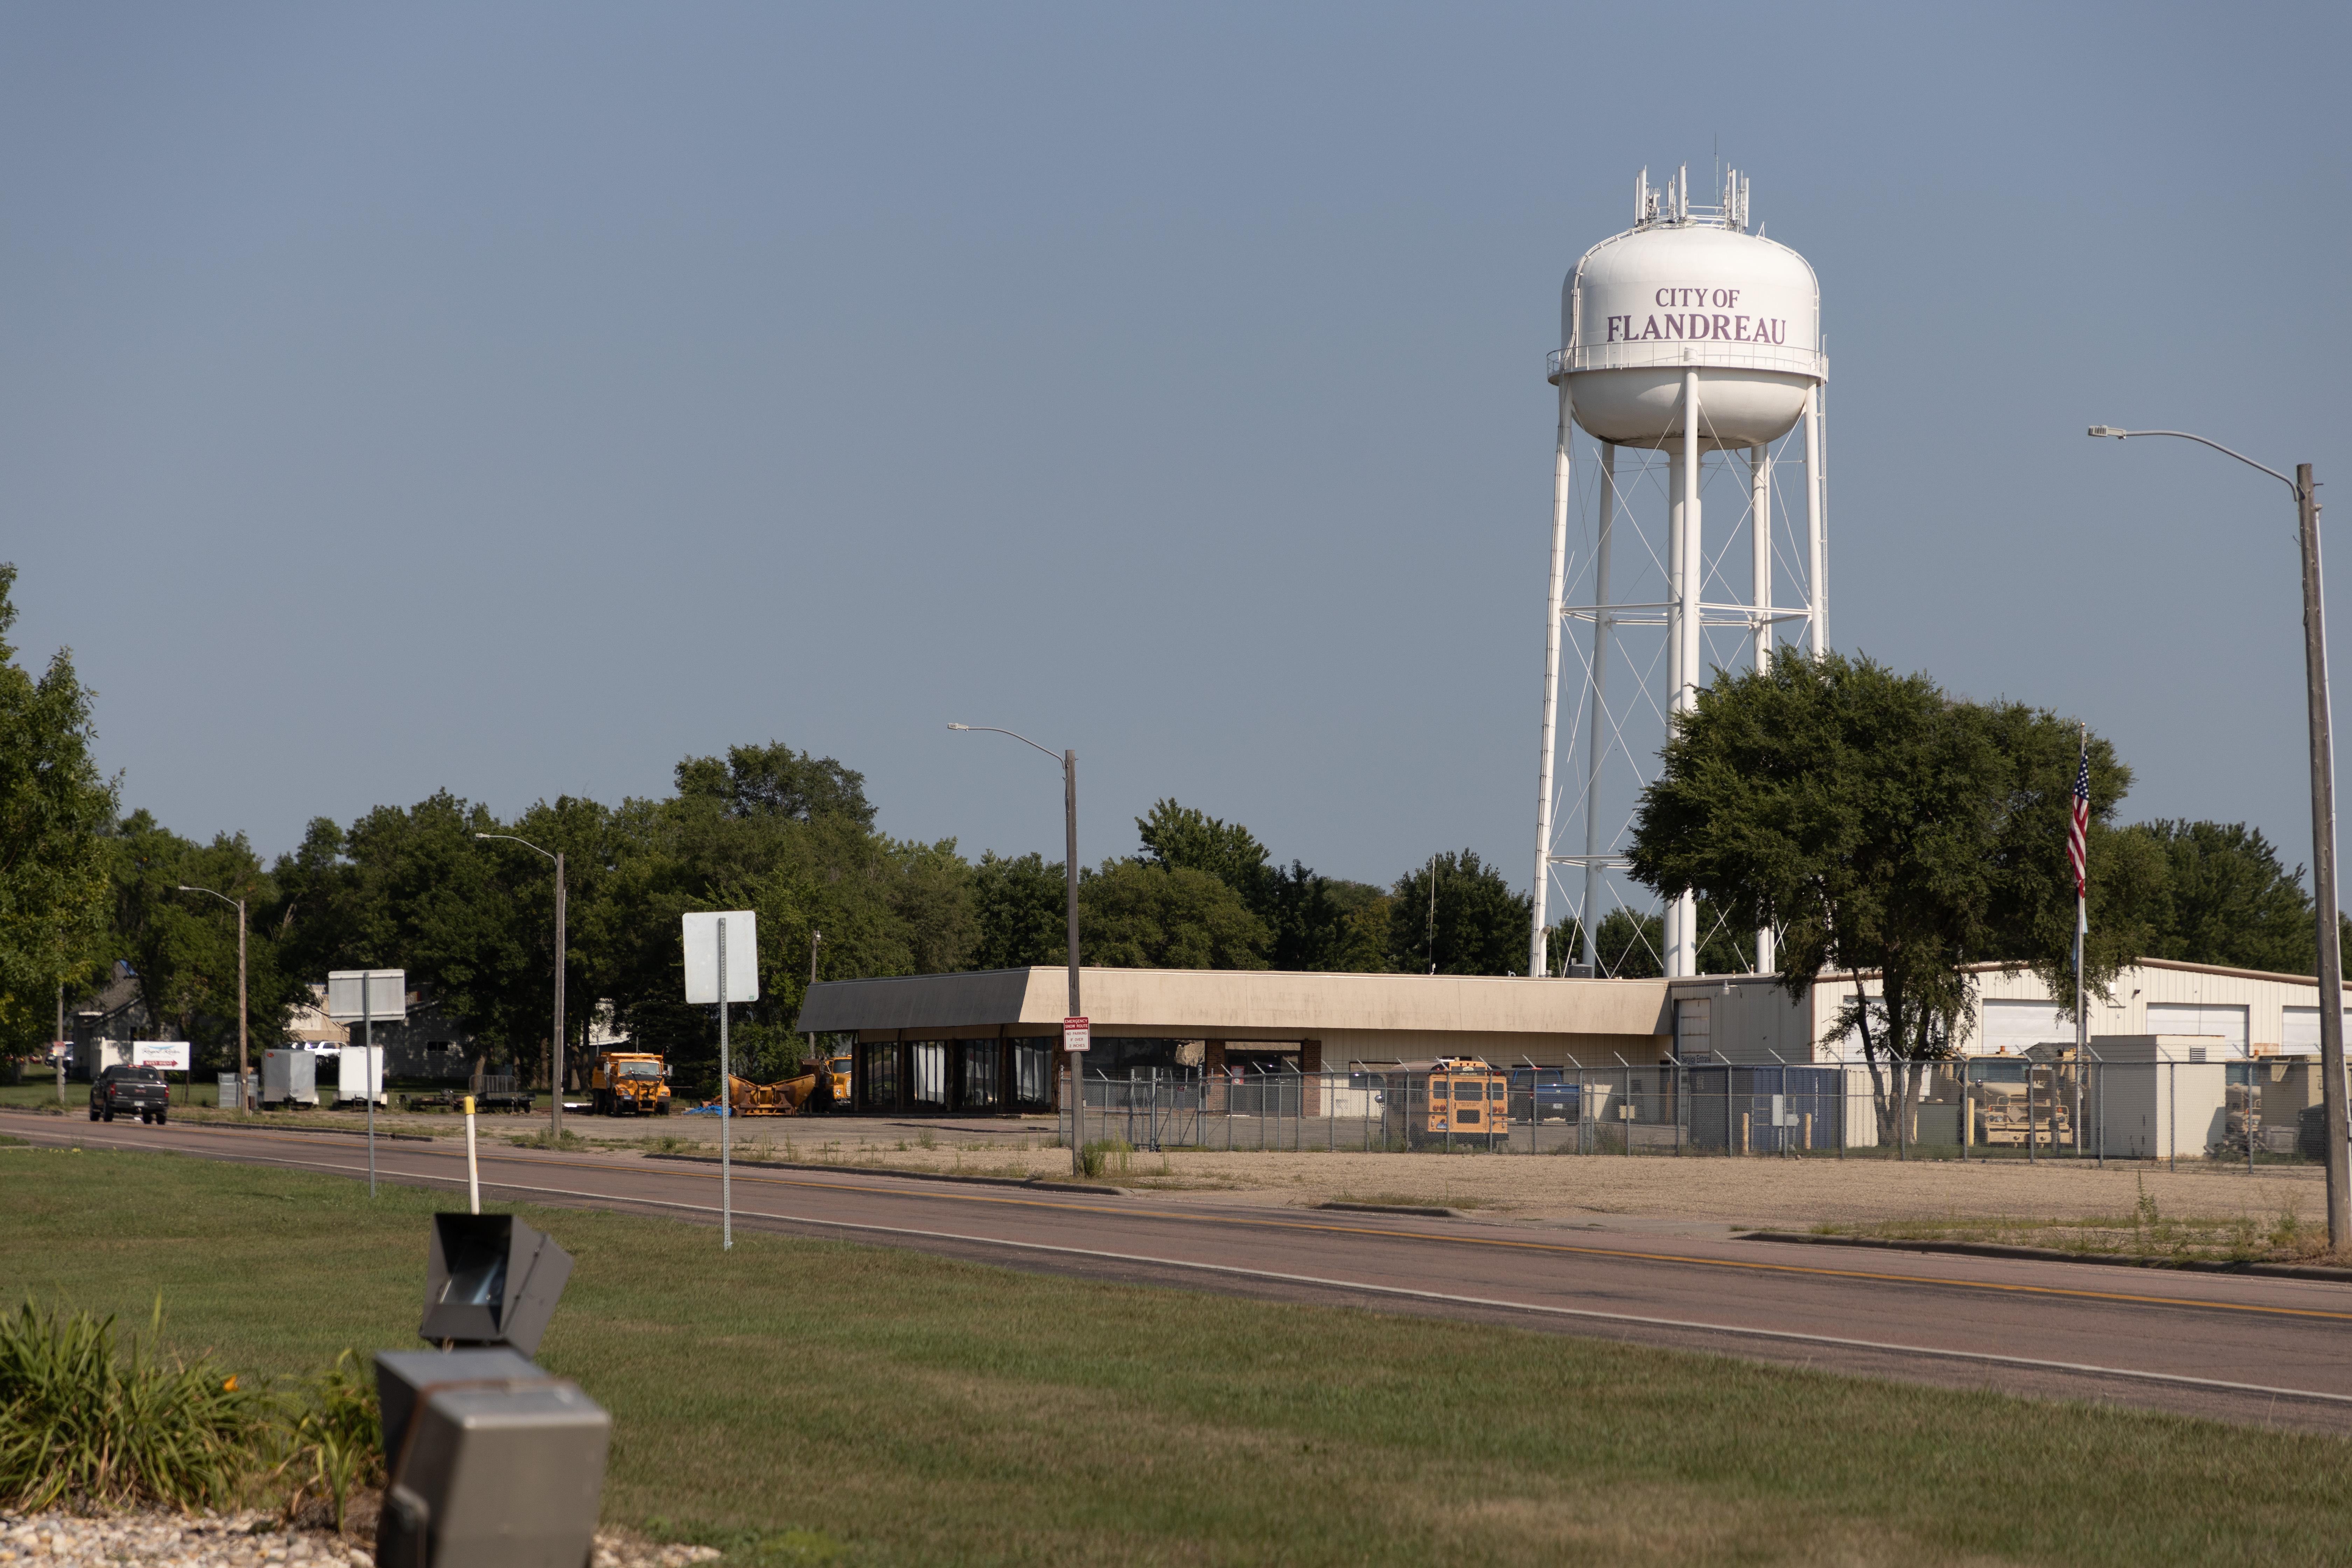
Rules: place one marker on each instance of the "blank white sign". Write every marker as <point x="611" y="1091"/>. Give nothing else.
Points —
<point x="702" y="956"/>
<point x="386" y="998"/>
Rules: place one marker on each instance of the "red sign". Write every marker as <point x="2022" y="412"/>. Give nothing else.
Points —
<point x="1074" y="1035"/>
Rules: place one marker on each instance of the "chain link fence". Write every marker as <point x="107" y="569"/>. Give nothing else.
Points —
<point x="2257" y="1112"/>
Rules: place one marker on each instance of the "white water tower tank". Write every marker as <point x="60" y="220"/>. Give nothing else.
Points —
<point x="1684" y="288"/>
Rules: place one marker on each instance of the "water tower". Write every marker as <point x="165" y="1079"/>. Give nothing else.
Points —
<point x="1691" y="351"/>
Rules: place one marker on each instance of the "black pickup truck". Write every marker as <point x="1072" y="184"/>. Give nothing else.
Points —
<point x="128" y="1088"/>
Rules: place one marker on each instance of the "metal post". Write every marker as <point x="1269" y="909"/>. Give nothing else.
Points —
<point x="726" y="1108"/>
<point x="2099" y="1109"/>
<point x="1070" y="874"/>
<point x="1759" y="522"/>
<point x="367" y="1067"/>
<point x="2172" y="1114"/>
<point x="2323" y="867"/>
<point x="241" y="1105"/>
<point x="1817" y="590"/>
<point x="61" y="1048"/>
<point x="555" y="1120"/>
<point x="473" y="1171"/>
<point x="1539" y="956"/>
<point x="1689" y="558"/>
<point x="1596" y="747"/>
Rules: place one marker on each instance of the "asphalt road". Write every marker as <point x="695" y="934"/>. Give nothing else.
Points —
<point x="2239" y="1348"/>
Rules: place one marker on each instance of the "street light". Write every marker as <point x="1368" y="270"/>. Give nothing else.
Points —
<point x="1069" y="761"/>
<point x="239" y="904"/>
<point x="555" y="1120"/>
<point x="2323" y="828"/>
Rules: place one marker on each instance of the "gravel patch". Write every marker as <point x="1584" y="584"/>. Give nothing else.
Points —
<point x="239" y="1540"/>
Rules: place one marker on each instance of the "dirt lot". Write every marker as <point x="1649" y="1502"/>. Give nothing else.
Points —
<point x="1697" y="1193"/>
<point x="1692" y="1192"/>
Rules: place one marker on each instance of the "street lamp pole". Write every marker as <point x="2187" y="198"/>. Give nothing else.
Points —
<point x="2322" y="831"/>
<point x="239" y="905"/>
<point x="1069" y="761"/>
<point x="555" y="1074"/>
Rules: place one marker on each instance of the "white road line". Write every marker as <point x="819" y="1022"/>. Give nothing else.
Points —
<point x="1988" y="1357"/>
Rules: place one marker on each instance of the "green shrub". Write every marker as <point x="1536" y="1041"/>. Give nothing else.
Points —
<point x="1106" y="1154"/>
<point x="335" y="1439"/>
<point x="83" y="1422"/>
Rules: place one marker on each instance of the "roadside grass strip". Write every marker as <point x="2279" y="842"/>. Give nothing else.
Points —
<point x="809" y="1402"/>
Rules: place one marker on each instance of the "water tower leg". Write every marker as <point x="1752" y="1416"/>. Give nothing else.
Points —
<point x="1760" y="518"/>
<point x="1689" y="556"/>
<point x="1817" y="591"/>
<point x="1597" y="746"/>
<point x="1537" y="940"/>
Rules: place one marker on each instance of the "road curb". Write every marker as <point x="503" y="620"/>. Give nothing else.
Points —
<point x="2053" y="1255"/>
<point x="1027" y="1184"/>
<point x="1428" y="1211"/>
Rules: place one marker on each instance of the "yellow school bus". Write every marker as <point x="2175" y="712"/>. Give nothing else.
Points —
<point x="1465" y="1099"/>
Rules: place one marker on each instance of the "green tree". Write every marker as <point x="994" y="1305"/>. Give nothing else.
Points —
<point x="54" y="809"/>
<point x="1323" y="923"/>
<point x="1884" y="828"/>
<point x="2223" y="898"/>
<point x="183" y="945"/>
<point x="1020" y="912"/>
<point x="1180" y="837"/>
<point x="1475" y="924"/>
<point x="1138" y="914"/>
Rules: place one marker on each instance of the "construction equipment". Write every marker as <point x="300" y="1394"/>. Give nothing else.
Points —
<point x="632" y="1083"/>
<point x="836" y="1067"/>
<point x="785" y="1096"/>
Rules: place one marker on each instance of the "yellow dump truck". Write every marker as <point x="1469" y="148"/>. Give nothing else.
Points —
<point x="632" y="1083"/>
<point x="837" y="1069"/>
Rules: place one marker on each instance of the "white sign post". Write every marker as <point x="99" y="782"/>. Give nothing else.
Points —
<point x="368" y="995"/>
<point x="708" y="980"/>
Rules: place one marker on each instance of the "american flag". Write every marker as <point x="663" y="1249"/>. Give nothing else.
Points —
<point x="2078" y="826"/>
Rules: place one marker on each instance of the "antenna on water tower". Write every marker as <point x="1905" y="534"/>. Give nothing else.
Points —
<point x="1684" y="337"/>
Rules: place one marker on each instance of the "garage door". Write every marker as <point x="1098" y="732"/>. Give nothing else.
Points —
<point x="2302" y="1030"/>
<point x="2013" y="1026"/>
<point x="2199" y="1018"/>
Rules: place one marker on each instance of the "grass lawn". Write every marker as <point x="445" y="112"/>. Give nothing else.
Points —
<point x="816" y="1402"/>
<point x="2287" y="1236"/>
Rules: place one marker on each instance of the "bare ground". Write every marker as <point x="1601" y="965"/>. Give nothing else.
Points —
<point x="1648" y="1192"/>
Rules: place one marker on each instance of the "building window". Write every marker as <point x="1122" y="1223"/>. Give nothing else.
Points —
<point x="1033" y="1072"/>
<point x="927" y="1062"/>
<point x="979" y="1074"/>
<point x="881" y="1075"/>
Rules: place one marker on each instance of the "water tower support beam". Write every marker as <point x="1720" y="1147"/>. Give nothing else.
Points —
<point x="1760" y="518"/>
<point x="1817" y="590"/>
<point x="1597" y="746"/>
<point x="1689" y="556"/>
<point x="1537" y="939"/>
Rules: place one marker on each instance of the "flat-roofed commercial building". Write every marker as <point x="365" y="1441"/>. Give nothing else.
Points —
<point x="990" y="1040"/>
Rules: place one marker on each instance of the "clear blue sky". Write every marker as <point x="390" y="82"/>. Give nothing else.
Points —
<point x="517" y="398"/>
